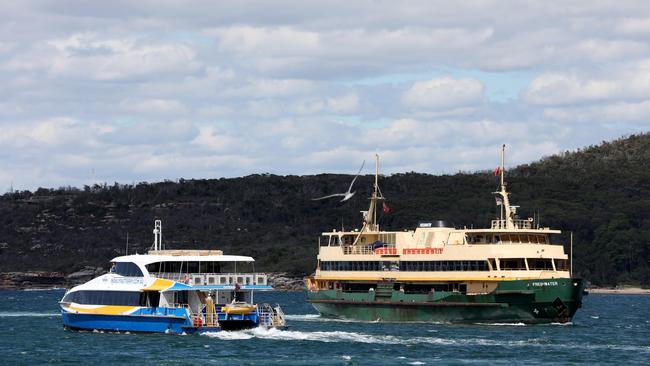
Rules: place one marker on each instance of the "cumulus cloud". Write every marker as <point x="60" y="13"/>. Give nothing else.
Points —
<point x="148" y="90"/>
<point x="443" y="93"/>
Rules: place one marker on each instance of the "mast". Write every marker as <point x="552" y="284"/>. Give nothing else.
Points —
<point x="504" y="194"/>
<point x="157" y="235"/>
<point x="370" y="218"/>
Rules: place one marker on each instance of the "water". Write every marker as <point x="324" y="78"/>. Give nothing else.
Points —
<point x="608" y="329"/>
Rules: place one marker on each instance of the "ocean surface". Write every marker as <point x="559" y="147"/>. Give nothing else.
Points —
<point x="608" y="329"/>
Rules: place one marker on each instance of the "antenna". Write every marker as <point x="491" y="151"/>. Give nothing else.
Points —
<point x="126" y="252"/>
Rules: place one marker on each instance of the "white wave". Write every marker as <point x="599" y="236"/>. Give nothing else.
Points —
<point x="416" y="363"/>
<point x="26" y="314"/>
<point x="503" y="324"/>
<point x="563" y="324"/>
<point x="334" y="336"/>
<point x="346" y="357"/>
<point x="594" y="317"/>
<point x="43" y="289"/>
<point x="229" y="336"/>
<point x="302" y="317"/>
<point x="353" y="337"/>
<point x="320" y="318"/>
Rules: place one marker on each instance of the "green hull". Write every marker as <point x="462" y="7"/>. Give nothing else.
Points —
<point x="526" y="301"/>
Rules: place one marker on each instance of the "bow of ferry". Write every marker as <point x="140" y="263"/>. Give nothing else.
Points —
<point x="512" y="271"/>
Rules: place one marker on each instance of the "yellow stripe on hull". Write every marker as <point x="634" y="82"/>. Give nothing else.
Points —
<point x="159" y="285"/>
<point x="103" y="309"/>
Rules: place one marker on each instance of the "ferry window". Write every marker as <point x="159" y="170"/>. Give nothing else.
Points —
<point x="540" y="264"/>
<point x="123" y="298"/>
<point x="154" y="267"/>
<point x="561" y="265"/>
<point x="193" y="267"/>
<point x="513" y="264"/>
<point x="126" y="269"/>
<point x="493" y="263"/>
<point x="497" y="239"/>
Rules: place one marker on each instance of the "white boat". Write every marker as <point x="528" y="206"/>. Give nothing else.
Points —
<point x="172" y="291"/>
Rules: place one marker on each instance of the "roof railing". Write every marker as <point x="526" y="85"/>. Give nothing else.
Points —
<point x="519" y="224"/>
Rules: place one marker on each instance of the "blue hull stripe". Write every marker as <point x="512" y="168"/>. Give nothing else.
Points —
<point x="123" y="323"/>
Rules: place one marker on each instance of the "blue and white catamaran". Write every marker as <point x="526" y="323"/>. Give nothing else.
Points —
<point x="172" y="291"/>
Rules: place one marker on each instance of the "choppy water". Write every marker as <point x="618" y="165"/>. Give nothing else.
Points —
<point x="608" y="329"/>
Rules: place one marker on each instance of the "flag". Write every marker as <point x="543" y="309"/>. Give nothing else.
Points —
<point x="497" y="171"/>
<point x="386" y="209"/>
<point x="499" y="201"/>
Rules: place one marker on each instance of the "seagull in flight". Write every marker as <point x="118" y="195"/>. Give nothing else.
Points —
<point x="347" y="195"/>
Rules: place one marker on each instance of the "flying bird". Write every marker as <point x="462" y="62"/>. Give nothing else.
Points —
<point x="347" y="195"/>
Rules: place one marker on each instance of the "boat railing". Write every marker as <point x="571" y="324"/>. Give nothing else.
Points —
<point x="203" y="279"/>
<point x="271" y="316"/>
<point x="369" y="249"/>
<point x="518" y="224"/>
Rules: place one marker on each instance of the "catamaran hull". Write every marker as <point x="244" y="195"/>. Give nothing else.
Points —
<point x="124" y="323"/>
<point x="539" y="301"/>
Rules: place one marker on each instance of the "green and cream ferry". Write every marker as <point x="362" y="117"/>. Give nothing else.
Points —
<point x="512" y="271"/>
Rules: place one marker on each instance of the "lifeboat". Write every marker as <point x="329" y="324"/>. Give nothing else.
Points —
<point x="238" y="308"/>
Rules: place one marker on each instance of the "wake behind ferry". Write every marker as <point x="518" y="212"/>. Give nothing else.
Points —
<point x="172" y="291"/>
<point x="509" y="272"/>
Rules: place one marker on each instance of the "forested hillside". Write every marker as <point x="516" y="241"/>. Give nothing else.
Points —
<point x="601" y="193"/>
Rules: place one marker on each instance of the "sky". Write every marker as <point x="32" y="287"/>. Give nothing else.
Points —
<point x="132" y="91"/>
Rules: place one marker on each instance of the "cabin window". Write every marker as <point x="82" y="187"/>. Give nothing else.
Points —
<point x="329" y="240"/>
<point x="119" y="298"/>
<point x="126" y="269"/>
<point x="561" y="265"/>
<point x="513" y="264"/>
<point x="540" y="264"/>
<point x="493" y="263"/>
<point x="388" y="238"/>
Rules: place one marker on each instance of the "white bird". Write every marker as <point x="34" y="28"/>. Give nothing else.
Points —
<point x="347" y="195"/>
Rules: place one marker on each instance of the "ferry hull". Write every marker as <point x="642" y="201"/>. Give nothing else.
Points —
<point x="124" y="323"/>
<point x="540" y="301"/>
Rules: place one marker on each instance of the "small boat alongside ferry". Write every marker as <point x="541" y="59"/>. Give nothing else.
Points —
<point x="172" y="291"/>
<point x="511" y="272"/>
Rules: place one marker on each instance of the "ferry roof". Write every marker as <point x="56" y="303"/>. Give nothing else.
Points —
<point x="144" y="259"/>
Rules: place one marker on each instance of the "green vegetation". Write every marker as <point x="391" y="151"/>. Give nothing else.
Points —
<point x="600" y="193"/>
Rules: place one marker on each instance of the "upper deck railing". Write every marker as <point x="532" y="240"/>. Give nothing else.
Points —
<point x="205" y="279"/>
<point x="519" y="224"/>
<point x="369" y="249"/>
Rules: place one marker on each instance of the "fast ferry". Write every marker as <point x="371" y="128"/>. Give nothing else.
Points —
<point x="512" y="271"/>
<point x="172" y="291"/>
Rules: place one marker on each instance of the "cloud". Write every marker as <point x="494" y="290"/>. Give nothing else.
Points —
<point x="131" y="91"/>
<point x="626" y="81"/>
<point x="90" y="56"/>
<point x="443" y="94"/>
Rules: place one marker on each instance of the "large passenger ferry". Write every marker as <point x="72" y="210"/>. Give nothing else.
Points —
<point x="513" y="271"/>
<point x="172" y="291"/>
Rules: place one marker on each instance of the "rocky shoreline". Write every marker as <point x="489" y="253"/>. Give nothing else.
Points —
<point x="281" y="281"/>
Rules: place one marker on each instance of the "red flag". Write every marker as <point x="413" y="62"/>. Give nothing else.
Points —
<point x="497" y="171"/>
<point x="386" y="209"/>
